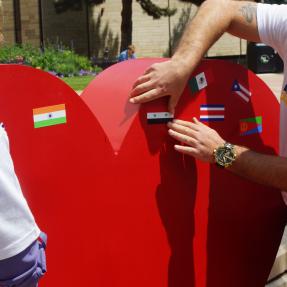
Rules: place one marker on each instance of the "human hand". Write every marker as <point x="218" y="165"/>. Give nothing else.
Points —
<point x="162" y="79"/>
<point x="198" y="139"/>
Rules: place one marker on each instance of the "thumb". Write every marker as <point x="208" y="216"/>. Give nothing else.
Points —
<point x="172" y="104"/>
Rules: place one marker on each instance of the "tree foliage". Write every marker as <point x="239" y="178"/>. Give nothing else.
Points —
<point x="148" y="6"/>
<point x="64" y="5"/>
<point x="154" y="10"/>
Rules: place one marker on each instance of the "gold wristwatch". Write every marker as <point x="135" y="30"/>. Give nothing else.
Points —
<point x="225" y="155"/>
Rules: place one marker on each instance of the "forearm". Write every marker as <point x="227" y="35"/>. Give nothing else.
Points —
<point x="206" y="27"/>
<point x="200" y="141"/>
<point x="264" y="169"/>
<point x="215" y="17"/>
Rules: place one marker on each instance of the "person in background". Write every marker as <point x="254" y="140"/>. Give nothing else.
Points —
<point x="127" y="54"/>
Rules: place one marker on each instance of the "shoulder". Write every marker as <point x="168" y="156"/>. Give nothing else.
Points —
<point x="272" y="13"/>
<point x="272" y="25"/>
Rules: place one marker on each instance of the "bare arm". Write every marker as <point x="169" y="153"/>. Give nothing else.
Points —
<point x="200" y="141"/>
<point x="214" y="17"/>
<point x="261" y="168"/>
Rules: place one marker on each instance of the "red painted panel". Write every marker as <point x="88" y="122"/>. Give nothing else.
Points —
<point x="59" y="168"/>
<point x="182" y="222"/>
<point x="134" y="212"/>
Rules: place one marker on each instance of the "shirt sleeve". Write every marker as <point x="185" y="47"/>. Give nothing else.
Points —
<point x="272" y="26"/>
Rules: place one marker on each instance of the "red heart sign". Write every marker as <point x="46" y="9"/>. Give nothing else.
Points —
<point x="146" y="216"/>
<point x="60" y="167"/>
<point x="119" y="114"/>
<point x="209" y="215"/>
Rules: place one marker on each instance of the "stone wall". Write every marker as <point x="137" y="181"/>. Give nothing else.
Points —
<point x="151" y="37"/>
<point x="67" y="28"/>
<point x="30" y="22"/>
<point x="8" y="21"/>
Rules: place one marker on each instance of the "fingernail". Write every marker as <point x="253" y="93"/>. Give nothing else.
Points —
<point x="132" y="101"/>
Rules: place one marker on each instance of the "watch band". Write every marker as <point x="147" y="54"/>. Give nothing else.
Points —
<point x="224" y="155"/>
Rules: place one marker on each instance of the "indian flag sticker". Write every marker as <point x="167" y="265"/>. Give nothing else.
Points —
<point x="49" y="116"/>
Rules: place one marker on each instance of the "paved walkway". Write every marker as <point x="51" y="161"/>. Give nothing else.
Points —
<point x="274" y="81"/>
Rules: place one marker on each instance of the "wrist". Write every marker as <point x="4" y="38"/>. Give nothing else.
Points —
<point x="225" y="155"/>
<point x="183" y="67"/>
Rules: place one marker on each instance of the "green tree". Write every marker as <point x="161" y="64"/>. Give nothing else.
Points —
<point x="177" y="31"/>
<point x="104" y="38"/>
<point x="148" y="6"/>
<point x="64" y="5"/>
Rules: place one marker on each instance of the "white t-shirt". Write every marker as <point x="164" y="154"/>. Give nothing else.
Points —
<point x="272" y="28"/>
<point x="17" y="225"/>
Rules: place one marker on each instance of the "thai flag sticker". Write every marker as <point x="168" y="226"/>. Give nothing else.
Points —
<point x="212" y="113"/>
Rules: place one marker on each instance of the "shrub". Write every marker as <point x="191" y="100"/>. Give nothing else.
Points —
<point x="61" y="62"/>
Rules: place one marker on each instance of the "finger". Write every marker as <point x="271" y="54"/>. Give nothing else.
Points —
<point x="196" y="121"/>
<point x="141" y="89"/>
<point x="172" y="104"/>
<point x="185" y="130"/>
<point x="149" y="70"/>
<point x="182" y="138"/>
<point x="146" y="97"/>
<point x="185" y="123"/>
<point x="186" y="150"/>
<point x="141" y="80"/>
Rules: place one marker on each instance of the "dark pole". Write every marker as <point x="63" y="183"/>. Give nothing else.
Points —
<point x="169" y="31"/>
<point x="41" y="25"/>
<point x="17" y="21"/>
<point x="127" y="24"/>
<point x="88" y="28"/>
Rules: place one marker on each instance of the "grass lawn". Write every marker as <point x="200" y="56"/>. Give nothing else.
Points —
<point x="78" y="83"/>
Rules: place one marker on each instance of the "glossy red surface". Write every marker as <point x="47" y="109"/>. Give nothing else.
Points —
<point x="120" y="206"/>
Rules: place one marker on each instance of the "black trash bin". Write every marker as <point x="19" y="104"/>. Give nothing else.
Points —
<point x="263" y="59"/>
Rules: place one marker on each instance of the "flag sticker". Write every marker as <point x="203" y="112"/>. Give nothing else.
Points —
<point x="212" y="113"/>
<point x="49" y="116"/>
<point x="251" y="126"/>
<point x="198" y="83"/>
<point x="159" y="118"/>
<point x="241" y="91"/>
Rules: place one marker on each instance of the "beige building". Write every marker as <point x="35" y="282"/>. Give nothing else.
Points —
<point x="90" y="30"/>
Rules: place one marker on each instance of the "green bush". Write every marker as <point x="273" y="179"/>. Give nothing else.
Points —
<point x="61" y="62"/>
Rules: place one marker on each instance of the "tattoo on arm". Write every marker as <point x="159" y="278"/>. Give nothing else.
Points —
<point x="248" y="12"/>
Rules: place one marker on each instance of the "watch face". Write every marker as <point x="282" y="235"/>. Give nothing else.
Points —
<point x="224" y="156"/>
